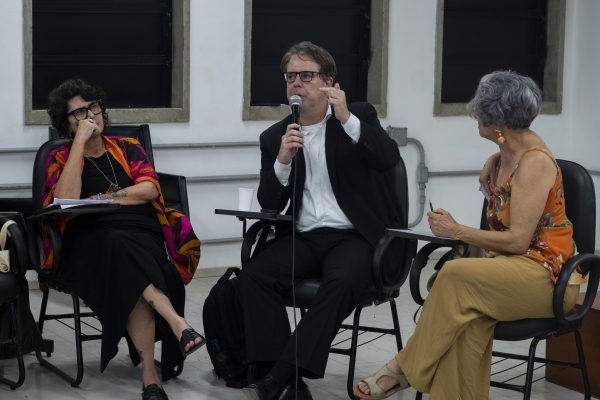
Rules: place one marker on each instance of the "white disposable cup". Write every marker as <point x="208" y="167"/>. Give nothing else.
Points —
<point x="245" y="199"/>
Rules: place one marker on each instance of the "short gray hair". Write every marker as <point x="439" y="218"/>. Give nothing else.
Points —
<point x="505" y="97"/>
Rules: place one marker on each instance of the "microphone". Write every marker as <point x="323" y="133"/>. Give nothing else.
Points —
<point x="295" y="103"/>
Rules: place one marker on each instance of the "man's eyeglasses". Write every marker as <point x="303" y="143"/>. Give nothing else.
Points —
<point x="305" y="76"/>
<point x="82" y="113"/>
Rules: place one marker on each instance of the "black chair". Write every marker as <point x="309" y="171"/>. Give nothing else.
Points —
<point x="175" y="194"/>
<point x="581" y="209"/>
<point x="174" y="187"/>
<point x="380" y="292"/>
<point x="10" y="287"/>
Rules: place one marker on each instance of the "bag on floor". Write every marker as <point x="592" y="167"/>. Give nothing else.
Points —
<point x="29" y="335"/>
<point x="223" y="319"/>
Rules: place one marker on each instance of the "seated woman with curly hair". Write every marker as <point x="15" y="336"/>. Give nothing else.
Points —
<point x="530" y="238"/>
<point x="127" y="265"/>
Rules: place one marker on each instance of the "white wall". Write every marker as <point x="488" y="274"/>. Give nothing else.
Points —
<point x="583" y="136"/>
<point x="216" y="87"/>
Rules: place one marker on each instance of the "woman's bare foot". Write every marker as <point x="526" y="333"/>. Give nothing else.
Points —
<point x="385" y="382"/>
<point x="183" y="325"/>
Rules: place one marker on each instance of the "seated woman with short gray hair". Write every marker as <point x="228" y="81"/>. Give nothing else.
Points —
<point x="530" y="238"/>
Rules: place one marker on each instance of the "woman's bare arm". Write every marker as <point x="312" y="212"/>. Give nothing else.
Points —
<point x="140" y="193"/>
<point x="531" y="184"/>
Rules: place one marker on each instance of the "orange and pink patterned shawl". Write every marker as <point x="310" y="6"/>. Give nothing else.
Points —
<point x="182" y="243"/>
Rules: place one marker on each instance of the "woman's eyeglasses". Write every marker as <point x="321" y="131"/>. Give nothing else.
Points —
<point x="82" y="113"/>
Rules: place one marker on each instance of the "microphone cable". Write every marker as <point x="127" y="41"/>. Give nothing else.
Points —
<point x="294" y="272"/>
<point x="295" y="103"/>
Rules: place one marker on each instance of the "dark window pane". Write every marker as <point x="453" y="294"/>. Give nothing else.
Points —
<point x="124" y="46"/>
<point x="340" y="26"/>
<point x="482" y="37"/>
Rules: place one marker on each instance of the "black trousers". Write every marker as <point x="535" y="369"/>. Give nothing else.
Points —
<point x="343" y="259"/>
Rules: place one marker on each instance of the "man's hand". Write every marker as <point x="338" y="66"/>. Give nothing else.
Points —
<point x="442" y="224"/>
<point x="290" y="142"/>
<point x="337" y="100"/>
<point x="488" y="173"/>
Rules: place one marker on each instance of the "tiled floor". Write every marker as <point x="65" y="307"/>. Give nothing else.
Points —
<point x="122" y="381"/>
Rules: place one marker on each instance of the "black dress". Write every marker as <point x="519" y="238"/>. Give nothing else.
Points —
<point x="109" y="259"/>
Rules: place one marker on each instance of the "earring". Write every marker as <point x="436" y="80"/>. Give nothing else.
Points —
<point x="499" y="136"/>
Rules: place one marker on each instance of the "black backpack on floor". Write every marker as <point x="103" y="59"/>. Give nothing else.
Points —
<point x="223" y="318"/>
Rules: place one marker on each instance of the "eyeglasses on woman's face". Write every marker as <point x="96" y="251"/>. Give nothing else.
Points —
<point x="82" y="113"/>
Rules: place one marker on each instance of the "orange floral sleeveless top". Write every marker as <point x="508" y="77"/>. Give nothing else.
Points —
<point x="552" y="242"/>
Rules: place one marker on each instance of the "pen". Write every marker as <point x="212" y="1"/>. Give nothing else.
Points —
<point x="430" y="205"/>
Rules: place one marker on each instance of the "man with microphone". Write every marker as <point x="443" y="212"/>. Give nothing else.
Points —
<point x="341" y="164"/>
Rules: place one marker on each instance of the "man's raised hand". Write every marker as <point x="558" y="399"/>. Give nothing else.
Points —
<point x="337" y="100"/>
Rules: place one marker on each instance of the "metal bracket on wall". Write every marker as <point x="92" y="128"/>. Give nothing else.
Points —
<point x="400" y="136"/>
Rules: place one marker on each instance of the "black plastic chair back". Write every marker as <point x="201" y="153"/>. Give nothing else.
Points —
<point x="39" y="170"/>
<point x="402" y="192"/>
<point x="580" y="198"/>
<point x="173" y="187"/>
<point x="139" y="132"/>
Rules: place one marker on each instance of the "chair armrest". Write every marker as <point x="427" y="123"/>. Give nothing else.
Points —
<point x="419" y="262"/>
<point x="250" y="239"/>
<point x="560" y="287"/>
<point x="20" y="245"/>
<point x="408" y="251"/>
<point x="76" y="210"/>
<point x="174" y="191"/>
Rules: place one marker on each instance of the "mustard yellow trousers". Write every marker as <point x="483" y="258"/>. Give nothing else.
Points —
<point x="450" y="353"/>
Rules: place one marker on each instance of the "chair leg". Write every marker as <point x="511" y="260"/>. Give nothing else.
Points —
<point x="78" y="347"/>
<point x="419" y="396"/>
<point x="353" y="349"/>
<point x="584" y="374"/>
<point x="179" y="369"/>
<point x="17" y="341"/>
<point x="396" y="324"/>
<point x="530" y="366"/>
<point x="43" y="310"/>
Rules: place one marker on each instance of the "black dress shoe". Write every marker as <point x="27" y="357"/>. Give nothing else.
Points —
<point x="154" y="392"/>
<point x="265" y="389"/>
<point x="288" y="393"/>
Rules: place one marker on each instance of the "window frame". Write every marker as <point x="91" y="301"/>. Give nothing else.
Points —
<point x="180" y="79"/>
<point x="553" y="71"/>
<point x="377" y="76"/>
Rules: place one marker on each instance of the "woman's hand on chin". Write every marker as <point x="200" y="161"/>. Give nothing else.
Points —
<point x="442" y="224"/>
<point x="85" y="130"/>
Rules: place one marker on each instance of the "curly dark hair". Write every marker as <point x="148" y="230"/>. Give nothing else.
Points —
<point x="58" y="103"/>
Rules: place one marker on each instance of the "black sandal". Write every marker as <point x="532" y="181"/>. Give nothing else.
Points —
<point x="189" y="335"/>
<point x="154" y="392"/>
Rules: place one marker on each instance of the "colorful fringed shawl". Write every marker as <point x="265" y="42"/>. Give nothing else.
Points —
<point x="182" y="243"/>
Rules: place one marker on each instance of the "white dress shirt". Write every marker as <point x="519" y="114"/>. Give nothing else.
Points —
<point x="319" y="206"/>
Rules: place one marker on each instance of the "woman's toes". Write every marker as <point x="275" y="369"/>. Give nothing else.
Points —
<point x="193" y="343"/>
<point x="364" y="387"/>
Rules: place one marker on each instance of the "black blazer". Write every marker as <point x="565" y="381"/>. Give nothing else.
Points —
<point x="362" y="175"/>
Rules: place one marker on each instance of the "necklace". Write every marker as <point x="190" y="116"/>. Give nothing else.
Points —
<point x="114" y="186"/>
